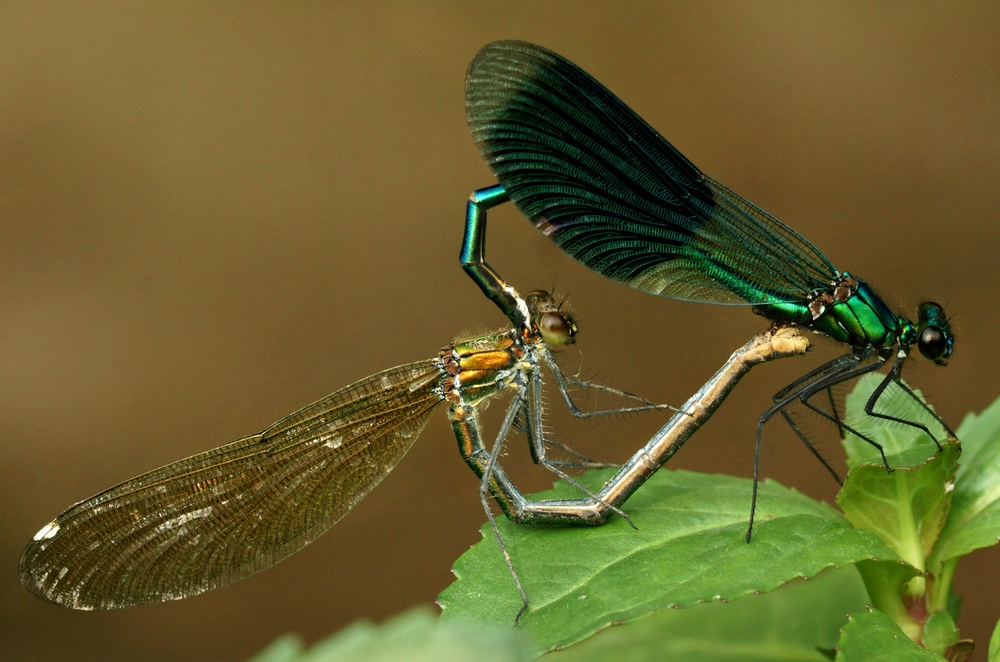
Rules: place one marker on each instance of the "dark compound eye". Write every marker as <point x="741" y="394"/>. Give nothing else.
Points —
<point x="932" y="343"/>
<point x="556" y="329"/>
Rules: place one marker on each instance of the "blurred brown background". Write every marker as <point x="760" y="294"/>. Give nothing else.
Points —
<point x="214" y="215"/>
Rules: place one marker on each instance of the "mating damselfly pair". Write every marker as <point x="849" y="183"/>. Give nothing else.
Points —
<point x="591" y="174"/>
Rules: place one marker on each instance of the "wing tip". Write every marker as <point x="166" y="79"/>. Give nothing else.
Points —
<point x="503" y="48"/>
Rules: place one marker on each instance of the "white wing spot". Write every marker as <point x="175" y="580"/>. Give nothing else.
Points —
<point x="334" y="442"/>
<point x="48" y="531"/>
<point x="183" y="519"/>
<point x="385" y="382"/>
<point x="62" y="573"/>
<point x="545" y="226"/>
<point x="420" y="383"/>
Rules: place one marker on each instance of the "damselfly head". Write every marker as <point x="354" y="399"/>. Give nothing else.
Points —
<point x="553" y="322"/>
<point x="935" y="339"/>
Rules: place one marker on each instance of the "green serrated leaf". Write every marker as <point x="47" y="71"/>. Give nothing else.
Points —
<point x="909" y="445"/>
<point x="689" y="548"/>
<point x="872" y="636"/>
<point x="940" y="632"/>
<point x="414" y="636"/>
<point x="794" y="623"/>
<point x="975" y="514"/>
<point x="978" y="430"/>
<point x="886" y="583"/>
<point x="907" y="508"/>
<point x="287" y="648"/>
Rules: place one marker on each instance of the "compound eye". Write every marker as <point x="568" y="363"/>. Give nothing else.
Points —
<point x="556" y="329"/>
<point x="932" y="343"/>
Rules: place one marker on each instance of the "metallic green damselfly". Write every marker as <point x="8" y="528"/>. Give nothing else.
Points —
<point x="614" y="194"/>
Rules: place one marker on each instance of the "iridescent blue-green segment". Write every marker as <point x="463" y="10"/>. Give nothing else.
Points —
<point x="601" y="182"/>
<point x="849" y="312"/>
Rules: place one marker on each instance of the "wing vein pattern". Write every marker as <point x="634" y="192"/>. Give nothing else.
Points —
<point x="602" y="183"/>
<point x="222" y="515"/>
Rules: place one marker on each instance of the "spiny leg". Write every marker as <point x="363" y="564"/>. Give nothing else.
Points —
<point x="583" y="511"/>
<point x="586" y="511"/>
<point x="484" y="492"/>
<point x="805" y="394"/>
<point x="926" y="407"/>
<point x="840" y="363"/>
<point x="833" y="407"/>
<point x="562" y="381"/>
<point x="838" y="370"/>
<point x="646" y="405"/>
<point x="805" y="440"/>
<point x="585" y="461"/>
<point x="782" y="400"/>
<point x="536" y="436"/>
<point x="828" y="368"/>
<point x="894" y="375"/>
<point x="764" y="418"/>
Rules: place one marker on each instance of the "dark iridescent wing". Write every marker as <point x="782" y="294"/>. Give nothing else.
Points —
<point x="217" y="517"/>
<point x="616" y="196"/>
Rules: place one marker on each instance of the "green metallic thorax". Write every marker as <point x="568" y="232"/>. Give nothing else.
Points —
<point x="860" y="320"/>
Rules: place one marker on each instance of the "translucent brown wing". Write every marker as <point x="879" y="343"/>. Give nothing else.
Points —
<point x="220" y="516"/>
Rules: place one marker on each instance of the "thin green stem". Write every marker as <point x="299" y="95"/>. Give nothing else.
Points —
<point x="941" y="587"/>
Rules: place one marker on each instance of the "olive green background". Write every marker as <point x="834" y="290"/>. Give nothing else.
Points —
<point x="211" y="215"/>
